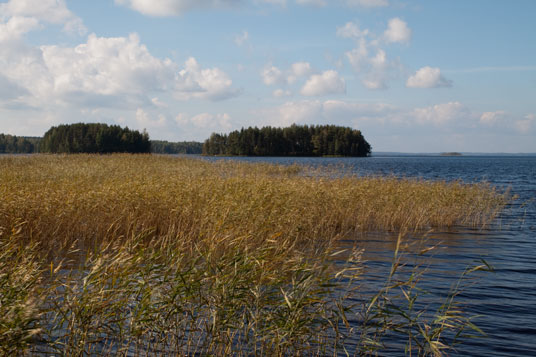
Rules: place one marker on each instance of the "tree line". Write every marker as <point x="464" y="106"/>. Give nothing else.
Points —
<point x="184" y="147"/>
<point x="94" y="138"/>
<point x="296" y="140"/>
<point x="11" y="144"/>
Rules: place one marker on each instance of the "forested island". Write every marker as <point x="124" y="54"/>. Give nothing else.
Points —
<point x="296" y="140"/>
<point x="94" y="138"/>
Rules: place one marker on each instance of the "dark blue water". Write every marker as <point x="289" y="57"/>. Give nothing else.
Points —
<point x="506" y="298"/>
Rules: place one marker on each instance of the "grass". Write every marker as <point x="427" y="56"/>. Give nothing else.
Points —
<point x="151" y="255"/>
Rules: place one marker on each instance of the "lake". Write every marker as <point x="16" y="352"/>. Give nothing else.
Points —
<point x="505" y="299"/>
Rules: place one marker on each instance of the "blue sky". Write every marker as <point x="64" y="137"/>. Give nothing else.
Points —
<point x="413" y="76"/>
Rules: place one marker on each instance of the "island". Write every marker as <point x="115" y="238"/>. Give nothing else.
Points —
<point x="296" y="140"/>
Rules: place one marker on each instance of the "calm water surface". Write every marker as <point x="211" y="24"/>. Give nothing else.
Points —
<point x="505" y="298"/>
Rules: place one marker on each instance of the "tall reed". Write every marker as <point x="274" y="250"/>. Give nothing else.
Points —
<point x="87" y="199"/>
<point x="154" y="255"/>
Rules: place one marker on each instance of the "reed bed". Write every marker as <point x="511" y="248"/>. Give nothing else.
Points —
<point x="156" y="255"/>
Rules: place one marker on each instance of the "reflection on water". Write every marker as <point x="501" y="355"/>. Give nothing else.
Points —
<point x="506" y="298"/>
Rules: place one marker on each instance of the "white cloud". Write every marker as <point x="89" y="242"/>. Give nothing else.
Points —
<point x="525" y="125"/>
<point x="205" y="120"/>
<point x="300" y="112"/>
<point x="329" y="82"/>
<point x="106" y="66"/>
<point x="196" y="82"/>
<point x="272" y="75"/>
<point x="354" y="110"/>
<point x="202" y="120"/>
<point x="299" y="70"/>
<point x="368" y="59"/>
<point x="144" y="120"/>
<point x="492" y="118"/>
<point x="279" y="93"/>
<point x="397" y="31"/>
<point x="441" y="114"/>
<point x="48" y="11"/>
<point x="325" y="112"/>
<point x="157" y="103"/>
<point x="377" y="77"/>
<point x="178" y="7"/>
<point x="107" y="72"/>
<point x="428" y="77"/>
<point x="351" y="30"/>
<point x="173" y="7"/>
<point x="16" y="27"/>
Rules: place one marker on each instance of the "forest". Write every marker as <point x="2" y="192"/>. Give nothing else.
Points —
<point x="296" y="140"/>
<point x="94" y="138"/>
<point x="11" y="144"/>
<point x="183" y="147"/>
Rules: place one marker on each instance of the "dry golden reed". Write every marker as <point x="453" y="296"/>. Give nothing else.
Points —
<point x="158" y="255"/>
<point x="89" y="199"/>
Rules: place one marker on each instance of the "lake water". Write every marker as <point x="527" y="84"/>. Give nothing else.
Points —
<point x="506" y="298"/>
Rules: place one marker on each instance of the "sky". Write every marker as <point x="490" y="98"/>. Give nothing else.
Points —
<point x="412" y="75"/>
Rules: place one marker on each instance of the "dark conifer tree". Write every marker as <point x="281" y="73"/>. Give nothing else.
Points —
<point x="296" y="140"/>
<point x="94" y="138"/>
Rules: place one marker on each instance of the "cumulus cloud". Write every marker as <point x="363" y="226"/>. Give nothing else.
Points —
<point x="351" y="30"/>
<point x="299" y="70"/>
<point x="157" y="103"/>
<point x="279" y="93"/>
<point x="428" y="77"/>
<point x="173" y="7"/>
<point x="329" y="82"/>
<point x="298" y="112"/>
<point x="492" y="118"/>
<point x="16" y="27"/>
<point x="144" y="120"/>
<point x="110" y="72"/>
<point x="205" y="120"/>
<point x="196" y="82"/>
<point x="107" y="66"/>
<point x="368" y="59"/>
<point x="323" y="112"/>
<point x="525" y="125"/>
<point x="47" y="11"/>
<point x="397" y="31"/>
<point x="272" y="75"/>
<point x="441" y="114"/>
